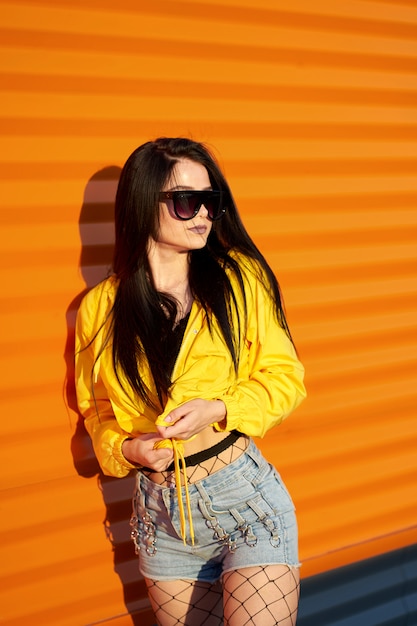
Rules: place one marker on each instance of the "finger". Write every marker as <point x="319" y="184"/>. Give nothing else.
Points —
<point x="176" y="430"/>
<point x="177" y="414"/>
<point x="171" y="419"/>
<point x="167" y="432"/>
<point x="162" y="432"/>
<point x="163" y="453"/>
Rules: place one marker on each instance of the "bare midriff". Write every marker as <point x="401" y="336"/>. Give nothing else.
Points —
<point x="204" y="440"/>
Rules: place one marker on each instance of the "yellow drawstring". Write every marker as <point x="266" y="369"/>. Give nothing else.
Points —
<point x="178" y="448"/>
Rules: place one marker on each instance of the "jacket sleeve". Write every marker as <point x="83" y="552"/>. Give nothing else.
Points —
<point x="93" y="401"/>
<point x="270" y="382"/>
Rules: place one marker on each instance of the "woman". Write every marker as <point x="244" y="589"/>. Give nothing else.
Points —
<point x="184" y="355"/>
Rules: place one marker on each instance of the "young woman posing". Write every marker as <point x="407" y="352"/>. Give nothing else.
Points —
<point x="183" y="355"/>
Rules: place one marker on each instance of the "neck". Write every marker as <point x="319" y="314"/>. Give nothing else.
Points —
<point x="170" y="276"/>
<point x="168" y="270"/>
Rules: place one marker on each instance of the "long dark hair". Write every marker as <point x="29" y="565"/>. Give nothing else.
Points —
<point x="139" y="323"/>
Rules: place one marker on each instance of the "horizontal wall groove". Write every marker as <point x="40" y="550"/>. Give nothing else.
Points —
<point x="328" y="411"/>
<point x="362" y="272"/>
<point x="354" y="308"/>
<point x="358" y="96"/>
<point x="326" y="167"/>
<point x="49" y="572"/>
<point x="392" y="475"/>
<point x="296" y="166"/>
<point x="396" y="448"/>
<point x="347" y="531"/>
<point x="379" y="426"/>
<point x="273" y="131"/>
<point x="364" y="377"/>
<point x="91" y="256"/>
<point x="359" y="343"/>
<point x="251" y="51"/>
<point x="302" y="20"/>
<point x="60" y="524"/>
<point x="346" y="237"/>
<point x="352" y="202"/>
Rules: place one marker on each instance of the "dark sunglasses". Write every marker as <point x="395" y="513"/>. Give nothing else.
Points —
<point x="188" y="203"/>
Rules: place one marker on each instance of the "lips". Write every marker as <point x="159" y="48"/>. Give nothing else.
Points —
<point x="199" y="230"/>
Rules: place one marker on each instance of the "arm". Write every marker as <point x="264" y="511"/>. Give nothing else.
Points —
<point x="272" y="386"/>
<point x="94" y="404"/>
<point x="117" y="450"/>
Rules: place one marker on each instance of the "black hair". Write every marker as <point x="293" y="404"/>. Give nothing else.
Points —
<point x="138" y="319"/>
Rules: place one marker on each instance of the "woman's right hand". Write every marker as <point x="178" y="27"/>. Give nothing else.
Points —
<point x="140" y="451"/>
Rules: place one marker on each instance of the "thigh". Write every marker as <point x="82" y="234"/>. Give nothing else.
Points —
<point x="261" y="596"/>
<point x="186" y="602"/>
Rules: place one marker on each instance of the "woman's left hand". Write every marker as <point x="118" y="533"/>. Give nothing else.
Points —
<point x="191" y="418"/>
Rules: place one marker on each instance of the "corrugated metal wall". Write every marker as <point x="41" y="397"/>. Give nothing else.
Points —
<point x="312" y="109"/>
<point x="381" y="591"/>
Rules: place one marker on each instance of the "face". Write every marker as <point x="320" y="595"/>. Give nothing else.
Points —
<point x="175" y="234"/>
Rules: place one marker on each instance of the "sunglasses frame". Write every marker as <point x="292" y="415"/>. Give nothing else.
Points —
<point x="202" y="197"/>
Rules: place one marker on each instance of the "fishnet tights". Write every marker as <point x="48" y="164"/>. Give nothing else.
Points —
<point x="204" y="469"/>
<point x="259" y="596"/>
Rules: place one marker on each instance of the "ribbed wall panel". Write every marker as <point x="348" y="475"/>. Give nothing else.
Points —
<point x="373" y="592"/>
<point x="311" y="108"/>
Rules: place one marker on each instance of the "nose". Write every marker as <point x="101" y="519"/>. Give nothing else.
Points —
<point x="204" y="209"/>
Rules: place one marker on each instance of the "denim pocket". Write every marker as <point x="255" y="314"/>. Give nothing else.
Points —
<point x="246" y="511"/>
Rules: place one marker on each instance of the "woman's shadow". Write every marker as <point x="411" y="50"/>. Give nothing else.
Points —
<point x="96" y="226"/>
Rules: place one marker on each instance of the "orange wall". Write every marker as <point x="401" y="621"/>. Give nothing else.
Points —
<point x="312" y="111"/>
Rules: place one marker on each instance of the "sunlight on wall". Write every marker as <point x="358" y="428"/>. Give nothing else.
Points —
<point x="312" y="112"/>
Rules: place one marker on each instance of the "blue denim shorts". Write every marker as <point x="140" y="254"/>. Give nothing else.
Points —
<point x="243" y="516"/>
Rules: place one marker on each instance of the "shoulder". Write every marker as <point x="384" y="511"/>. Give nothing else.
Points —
<point x="251" y="269"/>
<point x="98" y="302"/>
<point x="255" y="281"/>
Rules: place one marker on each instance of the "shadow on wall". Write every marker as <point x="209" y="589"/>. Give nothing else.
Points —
<point x="96" y="225"/>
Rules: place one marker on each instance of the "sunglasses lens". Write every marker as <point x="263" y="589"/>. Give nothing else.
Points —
<point x="185" y="205"/>
<point x="212" y="205"/>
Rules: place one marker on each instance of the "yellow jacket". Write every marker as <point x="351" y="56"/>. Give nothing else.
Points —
<point x="266" y="389"/>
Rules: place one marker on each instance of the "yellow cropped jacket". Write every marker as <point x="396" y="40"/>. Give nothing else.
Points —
<point x="267" y="387"/>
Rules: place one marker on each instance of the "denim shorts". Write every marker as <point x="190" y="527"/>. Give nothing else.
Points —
<point x="243" y="516"/>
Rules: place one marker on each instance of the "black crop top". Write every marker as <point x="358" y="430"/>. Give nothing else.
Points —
<point x="173" y="343"/>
